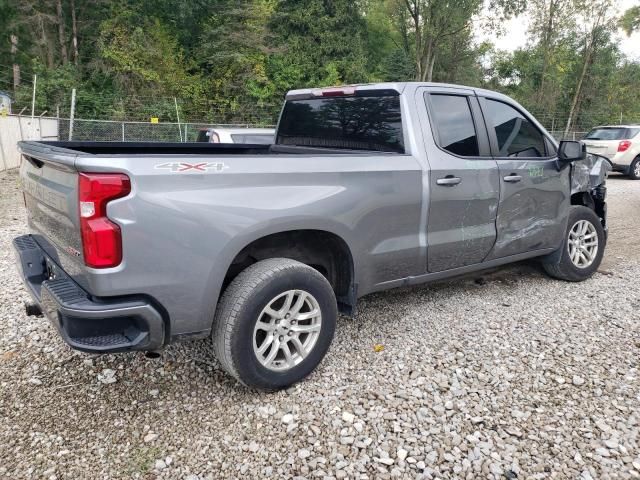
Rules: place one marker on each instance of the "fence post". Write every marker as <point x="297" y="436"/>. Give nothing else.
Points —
<point x="123" y="131"/>
<point x="175" y="100"/>
<point x="73" y="113"/>
<point x="33" y="98"/>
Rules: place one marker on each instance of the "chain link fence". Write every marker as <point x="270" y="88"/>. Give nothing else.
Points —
<point x="132" y="131"/>
<point x="559" y="135"/>
<point x="114" y="131"/>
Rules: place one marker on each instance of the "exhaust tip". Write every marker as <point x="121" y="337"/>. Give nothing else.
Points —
<point x="152" y="355"/>
<point x="32" y="309"/>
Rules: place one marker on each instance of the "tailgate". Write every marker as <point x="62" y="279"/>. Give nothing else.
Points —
<point x="606" y="148"/>
<point x="50" y="184"/>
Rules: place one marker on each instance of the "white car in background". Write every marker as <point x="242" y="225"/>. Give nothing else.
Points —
<point x="253" y="136"/>
<point x="620" y="144"/>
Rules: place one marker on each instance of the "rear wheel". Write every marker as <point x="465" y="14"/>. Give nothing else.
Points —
<point x="275" y="323"/>
<point x="634" y="169"/>
<point x="582" y="250"/>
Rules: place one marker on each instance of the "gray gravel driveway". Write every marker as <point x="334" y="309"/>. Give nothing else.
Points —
<point x="507" y="374"/>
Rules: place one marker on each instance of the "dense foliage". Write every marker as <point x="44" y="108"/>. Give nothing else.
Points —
<point x="232" y="60"/>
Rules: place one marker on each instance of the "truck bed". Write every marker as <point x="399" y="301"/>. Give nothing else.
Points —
<point x="154" y="148"/>
<point x="194" y="148"/>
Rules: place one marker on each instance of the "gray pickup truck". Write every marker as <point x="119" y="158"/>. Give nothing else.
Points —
<point x="366" y="188"/>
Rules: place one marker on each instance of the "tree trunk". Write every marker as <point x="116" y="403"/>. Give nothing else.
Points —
<point x="432" y="62"/>
<point x="61" y="35"/>
<point x="74" y="27"/>
<point x="576" y="97"/>
<point x="16" y="67"/>
<point x="48" y="53"/>
<point x="547" y="48"/>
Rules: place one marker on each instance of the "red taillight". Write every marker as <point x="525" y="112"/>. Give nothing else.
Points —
<point x="624" y="145"/>
<point x="101" y="238"/>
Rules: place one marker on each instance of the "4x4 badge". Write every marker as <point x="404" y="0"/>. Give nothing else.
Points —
<point x="182" y="167"/>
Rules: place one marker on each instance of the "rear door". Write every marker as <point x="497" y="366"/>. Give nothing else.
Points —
<point x="463" y="180"/>
<point x="534" y="191"/>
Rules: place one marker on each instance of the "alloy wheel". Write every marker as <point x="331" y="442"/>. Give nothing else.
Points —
<point x="287" y="330"/>
<point x="583" y="244"/>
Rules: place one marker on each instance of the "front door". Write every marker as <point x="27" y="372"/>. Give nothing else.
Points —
<point x="463" y="180"/>
<point x="534" y="191"/>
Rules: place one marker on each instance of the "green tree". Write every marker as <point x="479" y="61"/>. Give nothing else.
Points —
<point x="630" y="21"/>
<point x="433" y="23"/>
<point x="145" y="59"/>
<point x="317" y="43"/>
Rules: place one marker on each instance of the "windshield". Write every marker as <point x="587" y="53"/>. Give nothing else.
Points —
<point x="606" y="134"/>
<point x="354" y="123"/>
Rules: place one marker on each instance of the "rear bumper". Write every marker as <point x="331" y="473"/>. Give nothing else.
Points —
<point x="86" y="323"/>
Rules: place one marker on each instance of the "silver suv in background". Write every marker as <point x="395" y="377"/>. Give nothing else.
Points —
<point x="253" y="136"/>
<point x="620" y="144"/>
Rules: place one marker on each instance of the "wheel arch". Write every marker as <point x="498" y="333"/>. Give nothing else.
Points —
<point x="322" y="249"/>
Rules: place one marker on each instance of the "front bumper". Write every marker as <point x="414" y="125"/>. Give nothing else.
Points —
<point x="87" y="323"/>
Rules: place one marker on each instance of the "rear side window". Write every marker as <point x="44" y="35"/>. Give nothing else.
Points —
<point x="353" y="123"/>
<point x="607" y="134"/>
<point x="633" y="132"/>
<point x="454" y="125"/>
<point x="517" y="136"/>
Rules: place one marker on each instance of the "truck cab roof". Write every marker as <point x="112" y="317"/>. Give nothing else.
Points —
<point x="399" y="87"/>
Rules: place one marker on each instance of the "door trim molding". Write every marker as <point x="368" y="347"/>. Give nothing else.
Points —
<point x="432" y="277"/>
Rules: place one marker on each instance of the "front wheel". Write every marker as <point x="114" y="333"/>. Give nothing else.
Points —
<point x="274" y="323"/>
<point x="582" y="250"/>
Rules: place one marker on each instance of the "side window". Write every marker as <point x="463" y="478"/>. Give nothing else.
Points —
<point x="517" y="136"/>
<point x="454" y="124"/>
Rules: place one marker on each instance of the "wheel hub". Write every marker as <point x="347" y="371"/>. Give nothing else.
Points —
<point x="287" y="330"/>
<point x="583" y="244"/>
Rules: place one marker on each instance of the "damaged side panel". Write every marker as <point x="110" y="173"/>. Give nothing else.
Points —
<point x="589" y="173"/>
<point x="588" y="184"/>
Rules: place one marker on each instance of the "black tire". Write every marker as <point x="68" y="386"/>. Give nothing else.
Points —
<point x="241" y="306"/>
<point x="559" y="264"/>
<point x="634" y="171"/>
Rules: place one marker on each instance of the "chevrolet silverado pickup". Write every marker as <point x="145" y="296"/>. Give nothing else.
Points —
<point x="134" y="246"/>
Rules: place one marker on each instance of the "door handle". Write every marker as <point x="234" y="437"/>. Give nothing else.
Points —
<point x="513" y="178"/>
<point x="449" y="181"/>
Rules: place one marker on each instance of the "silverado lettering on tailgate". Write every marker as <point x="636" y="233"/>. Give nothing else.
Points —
<point x="44" y="194"/>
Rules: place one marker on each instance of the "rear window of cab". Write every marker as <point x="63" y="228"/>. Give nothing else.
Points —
<point x="352" y="123"/>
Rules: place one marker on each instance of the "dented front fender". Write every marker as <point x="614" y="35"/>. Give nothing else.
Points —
<point x="589" y="173"/>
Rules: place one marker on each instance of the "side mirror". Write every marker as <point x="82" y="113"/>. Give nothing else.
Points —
<point x="571" y="151"/>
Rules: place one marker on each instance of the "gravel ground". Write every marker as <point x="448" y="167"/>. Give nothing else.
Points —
<point x="508" y="375"/>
